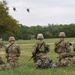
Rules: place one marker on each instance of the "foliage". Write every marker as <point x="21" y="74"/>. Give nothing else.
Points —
<point x="8" y="25"/>
<point x="50" y="31"/>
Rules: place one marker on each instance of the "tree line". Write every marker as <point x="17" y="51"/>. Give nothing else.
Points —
<point x="49" y="31"/>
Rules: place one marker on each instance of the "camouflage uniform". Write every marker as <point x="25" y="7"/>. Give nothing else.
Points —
<point x="74" y="51"/>
<point x="1" y="43"/>
<point x="62" y="46"/>
<point x="74" y="46"/>
<point x="40" y="52"/>
<point x="12" y="53"/>
<point x="63" y="49"/>
<point x="2" y="64"/>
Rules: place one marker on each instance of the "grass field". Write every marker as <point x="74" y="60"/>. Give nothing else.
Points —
<point x="27" y="68"/>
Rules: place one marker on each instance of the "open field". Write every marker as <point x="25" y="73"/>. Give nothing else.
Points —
<point x="27" y="68"/>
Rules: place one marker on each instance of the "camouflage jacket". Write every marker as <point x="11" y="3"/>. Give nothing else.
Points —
<point x="13" y="50"/>
<point x="74" y="46"/>
<point x="42" y="48"/>
<point x="62" y="46"/>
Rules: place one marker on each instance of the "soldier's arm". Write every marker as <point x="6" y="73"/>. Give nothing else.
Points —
<point x="6" y="52"/>
<point x="34" y="50"/>
<point x="74" y="47"/>
<point x="18" y="50"/>
<point x="67" y="45"/>
<point x="56" y="47"/>
<point x="47" y="47"/>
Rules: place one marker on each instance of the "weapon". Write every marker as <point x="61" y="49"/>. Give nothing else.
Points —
<point x="31" y="57"/>
<point x="37" y="51"/>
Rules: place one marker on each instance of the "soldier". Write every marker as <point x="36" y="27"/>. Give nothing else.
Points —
<point x="1" y="43"/>
<point x="39" y="52"/>
<point x="12" y="52"/>
<point x="40" y="49"/>
<point x="62" y="48"/>
<point x="61" y="45"/>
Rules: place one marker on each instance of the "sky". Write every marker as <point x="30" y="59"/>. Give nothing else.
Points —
<point x="42" y="12"/>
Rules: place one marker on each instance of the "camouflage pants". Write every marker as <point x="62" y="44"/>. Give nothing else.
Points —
<point x="73" y="60"/>
<point x="36" y="58"/>
<point x="8" y="65"/>
<point x="2" y="67"/>
<point x="67" y="59"/>
<point x="66" y="62"/>
<point x="13" y="61"/>
<point x="39" y="57"/>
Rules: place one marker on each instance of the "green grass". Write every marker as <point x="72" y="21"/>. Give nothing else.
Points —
<point x="27" y="68"/>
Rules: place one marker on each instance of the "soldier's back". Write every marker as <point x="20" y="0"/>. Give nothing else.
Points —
<point x="62" y="46"/>
<point x="13" y="49"/>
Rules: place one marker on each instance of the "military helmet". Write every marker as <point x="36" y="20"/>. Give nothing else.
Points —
<point x="11" y="38"/>
<point x="40" y="36"/>
<point x="62" y="34"/>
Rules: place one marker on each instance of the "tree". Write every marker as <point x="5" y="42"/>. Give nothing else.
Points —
<point x="23" y="32"/>
<point x="8" y="25"/>
<point x="47" y="34"/>
<point x="48" y="31"/>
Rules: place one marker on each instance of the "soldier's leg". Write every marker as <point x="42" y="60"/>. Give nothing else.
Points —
<point x="16" y="64"/>
<point x="38" y="64"/>
<point x="63" y="62"/>
<point x="73" y="60"/>
<point x="66" y="62"/>
<point x="2" y="67"/>
<point x="8" y="65"/>
<point x="36" y="58"/>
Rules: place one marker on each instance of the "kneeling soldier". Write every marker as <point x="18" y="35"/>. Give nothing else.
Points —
<point x="40" y="49"/>
<point x="39" y="52"/>
<point x="12" y="52"/>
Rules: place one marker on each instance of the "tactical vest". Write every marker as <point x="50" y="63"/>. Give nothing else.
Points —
<point x="41" y="48"/>
<point x="61" y="48"/>
<point x="12" y="50"/>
